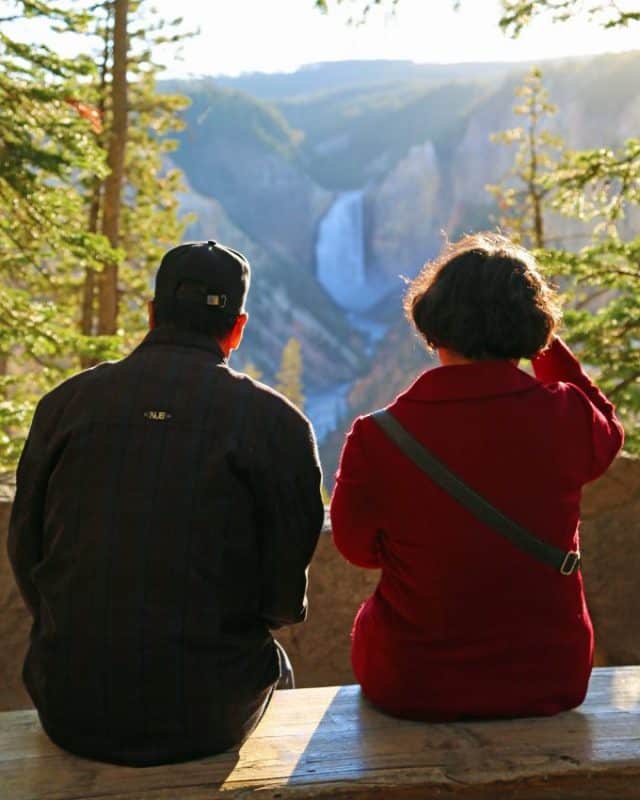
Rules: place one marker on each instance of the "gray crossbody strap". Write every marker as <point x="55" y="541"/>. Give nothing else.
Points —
<point x="565" y="563"/>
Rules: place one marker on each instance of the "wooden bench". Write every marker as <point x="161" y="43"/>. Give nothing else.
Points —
<point x="330" y="743"/>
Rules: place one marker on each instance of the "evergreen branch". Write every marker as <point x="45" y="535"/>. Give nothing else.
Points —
<point x="620" y="387"/>
<point x="518" y="14"/>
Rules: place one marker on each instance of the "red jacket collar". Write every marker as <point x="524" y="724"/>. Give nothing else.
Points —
<point x="469" y="381"/>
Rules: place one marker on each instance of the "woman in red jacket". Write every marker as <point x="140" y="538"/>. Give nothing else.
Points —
<point x="463" y="623"/>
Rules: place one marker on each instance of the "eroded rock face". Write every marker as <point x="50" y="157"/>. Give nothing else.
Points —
<point x="284" y="301"/>
<point x="243" y="153"/>
<point x="15" y="624"/>
<point x="610" y="536"/>
<point x="266" y="193"/>
<point x="477" y="160"/>
<point x="320" y="649"/>
<point x="404" y="210"/>
<point x="581" y="123"/>
<point x="286" y="204"/>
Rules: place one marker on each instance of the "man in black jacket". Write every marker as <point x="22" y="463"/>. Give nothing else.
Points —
<point x="166" y="512"/>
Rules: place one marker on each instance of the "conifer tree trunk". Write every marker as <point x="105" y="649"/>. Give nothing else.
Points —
<point x="89" y="287"/>
<point x="88" y="309"/>
<point x="108" y="288"/>
<point x="87" y="317"/>
<point x="534" y="175"/>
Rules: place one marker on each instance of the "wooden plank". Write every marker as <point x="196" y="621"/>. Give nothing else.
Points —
<point x="329" y="742"/>
<point x="356" y="717"/>
<point x="27" y="741"/>
<point x="611" y="692"/>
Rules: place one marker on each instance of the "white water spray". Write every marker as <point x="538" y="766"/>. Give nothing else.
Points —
<point x="340" y="255"/>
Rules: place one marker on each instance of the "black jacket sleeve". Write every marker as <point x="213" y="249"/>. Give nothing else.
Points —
<point x="290" y="517"/>
<point x="38" y="458"/>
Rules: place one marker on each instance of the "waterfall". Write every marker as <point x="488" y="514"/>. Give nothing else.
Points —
<point x="340" y="254"/>
<point x="341" y="267"/>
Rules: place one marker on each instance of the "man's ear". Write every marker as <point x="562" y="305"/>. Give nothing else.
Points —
<point x="236" y="333"/>
<point x="151" y="309"/>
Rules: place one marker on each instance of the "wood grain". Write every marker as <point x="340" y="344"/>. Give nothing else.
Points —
<point x="329" y="742"/>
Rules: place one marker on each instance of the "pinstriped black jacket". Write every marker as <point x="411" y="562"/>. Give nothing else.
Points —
<point x="166" y="512"/>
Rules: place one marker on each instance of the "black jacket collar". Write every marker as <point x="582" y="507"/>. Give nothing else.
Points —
<point x="166" y="335"/>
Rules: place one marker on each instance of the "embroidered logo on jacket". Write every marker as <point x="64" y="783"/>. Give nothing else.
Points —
<point x="158" y="416"/>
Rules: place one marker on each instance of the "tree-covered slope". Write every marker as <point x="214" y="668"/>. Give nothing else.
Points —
<point x="242" y="152"/>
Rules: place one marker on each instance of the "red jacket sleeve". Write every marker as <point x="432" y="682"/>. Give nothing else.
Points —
<point x="557" y="364"/>
<point x="355" y="520"/>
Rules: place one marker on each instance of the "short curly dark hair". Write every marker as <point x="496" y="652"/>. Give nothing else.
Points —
<point x="484" y="298"/>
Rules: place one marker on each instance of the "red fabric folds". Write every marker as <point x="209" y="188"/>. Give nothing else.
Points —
<point x="462" y="623"/>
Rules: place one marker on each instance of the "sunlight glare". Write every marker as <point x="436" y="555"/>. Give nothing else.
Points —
<point x="283" y="721"/>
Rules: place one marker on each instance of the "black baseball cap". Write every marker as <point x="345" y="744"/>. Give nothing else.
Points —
<point x="224" y="272"/>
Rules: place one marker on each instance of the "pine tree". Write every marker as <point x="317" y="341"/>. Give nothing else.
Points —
<point x="289" y="377"/>
<point x="598" y="187"/>
<point x="517" y="14"/>
<point x="361" y="8"/>
<point x="252" y="370"/>
<point x="56" y="123"/>
<point x="46" y="150"/>
<point x="524" y="195"/>
<point x="116" y="153"/>
<point x="147" y="211"/>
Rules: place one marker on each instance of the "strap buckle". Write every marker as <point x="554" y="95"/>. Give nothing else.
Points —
<point x="570" y="563"/>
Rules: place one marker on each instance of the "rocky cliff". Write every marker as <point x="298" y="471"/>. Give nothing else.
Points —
<point x="284" y="301"/>
<point x="243" y="153"/>
<point x="404" y="214"/>
<point x="598" y="102"/>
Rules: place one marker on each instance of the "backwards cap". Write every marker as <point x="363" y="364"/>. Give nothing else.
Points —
<point x="224" y="273"/>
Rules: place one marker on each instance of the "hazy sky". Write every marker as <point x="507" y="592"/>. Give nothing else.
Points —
<point x="280" y="35"/>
